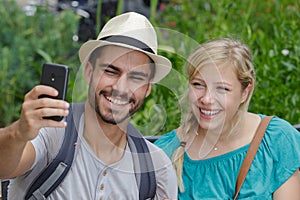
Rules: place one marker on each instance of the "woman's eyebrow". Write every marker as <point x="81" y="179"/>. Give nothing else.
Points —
<point x="224" y="83"/>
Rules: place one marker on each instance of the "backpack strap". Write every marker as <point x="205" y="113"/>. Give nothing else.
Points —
<point x="4" y="188"/>
<point x="55" y="172"/>
<point x="48" y="180"/>
<point x="143" y="165"/>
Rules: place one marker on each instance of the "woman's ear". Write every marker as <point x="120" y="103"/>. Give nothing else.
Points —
<point x="246" y="92"/>
<point x="88" y="72"/>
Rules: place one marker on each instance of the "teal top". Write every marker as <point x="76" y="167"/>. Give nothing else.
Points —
<point x="277" y="159"/>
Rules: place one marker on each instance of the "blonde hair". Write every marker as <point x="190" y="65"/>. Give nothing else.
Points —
<point x="214" y="52"/>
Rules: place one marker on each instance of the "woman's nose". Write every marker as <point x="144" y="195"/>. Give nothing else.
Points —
<point x="207" y="97"/>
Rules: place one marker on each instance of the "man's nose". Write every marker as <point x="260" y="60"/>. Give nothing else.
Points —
<point x="121" y="84"/>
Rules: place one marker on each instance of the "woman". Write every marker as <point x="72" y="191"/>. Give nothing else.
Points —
<point x="209" y="147"/>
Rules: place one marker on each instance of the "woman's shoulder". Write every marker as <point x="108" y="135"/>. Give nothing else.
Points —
<point x="167" y="137"/>
<point x="281" y="137"/>
<point x="279" y="127"/>
<point x="168" y="142"/>
<point x="281" y="147"/>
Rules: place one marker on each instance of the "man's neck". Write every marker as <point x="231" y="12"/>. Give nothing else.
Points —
<point x="108" y="141"/>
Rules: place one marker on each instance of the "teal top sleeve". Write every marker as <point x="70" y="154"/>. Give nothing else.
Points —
<point x="169" y="143"/>
<point x="277" y="159"/>
<point x="282" y="142"/>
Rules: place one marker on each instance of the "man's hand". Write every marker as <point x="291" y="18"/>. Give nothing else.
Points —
<point x="35" y="108"/>
<point x="17" y="153"/>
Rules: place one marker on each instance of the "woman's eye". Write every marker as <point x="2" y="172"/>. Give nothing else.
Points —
<point x="225" y="89"/>
<point x="198" y="84"/>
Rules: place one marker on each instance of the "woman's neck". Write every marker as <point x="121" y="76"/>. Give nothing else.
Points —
<point x="211" y="143"/>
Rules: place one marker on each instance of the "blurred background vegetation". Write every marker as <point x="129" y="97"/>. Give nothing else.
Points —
<point x="270" y="28"/>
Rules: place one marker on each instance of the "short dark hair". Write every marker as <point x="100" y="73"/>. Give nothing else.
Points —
<point x="94" y="55"/>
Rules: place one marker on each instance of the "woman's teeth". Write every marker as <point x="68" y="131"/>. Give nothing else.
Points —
<point x="209" y="112"/>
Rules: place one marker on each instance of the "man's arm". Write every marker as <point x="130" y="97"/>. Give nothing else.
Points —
<point x="16" y="151"/>
<point x="167" y="187"/>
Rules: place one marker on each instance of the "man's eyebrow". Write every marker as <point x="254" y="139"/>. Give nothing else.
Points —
<point x="138" y="73"/>
<point x="132" y="72"/>
<point x="104" y="65"/>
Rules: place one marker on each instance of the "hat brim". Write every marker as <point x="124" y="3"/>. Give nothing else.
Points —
<point x="162" y="65"/>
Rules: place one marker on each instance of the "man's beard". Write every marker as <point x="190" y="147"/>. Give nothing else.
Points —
<point x="108" y="120"/>
<point x="113" y="120"/>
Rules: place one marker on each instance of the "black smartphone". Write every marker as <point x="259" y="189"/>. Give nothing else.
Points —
<point x="56" y="76"/>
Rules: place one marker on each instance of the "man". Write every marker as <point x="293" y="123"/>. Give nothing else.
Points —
<point x="119" y="68"/>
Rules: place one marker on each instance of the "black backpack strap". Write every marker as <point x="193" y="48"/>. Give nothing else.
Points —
<point x="55" y="172"/>
<point x="4" y="186"/>
<point x="143" y="165"/>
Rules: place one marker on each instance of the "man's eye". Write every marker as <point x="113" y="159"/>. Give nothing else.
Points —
<point x="138" y="78"/>
<point x="110" y="72"/>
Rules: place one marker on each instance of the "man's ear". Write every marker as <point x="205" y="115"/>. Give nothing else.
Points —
<point x="88" y="72"/>
<point x="149" y="89"/>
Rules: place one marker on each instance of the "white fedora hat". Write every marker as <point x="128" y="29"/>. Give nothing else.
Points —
<point x="130" y="30"/>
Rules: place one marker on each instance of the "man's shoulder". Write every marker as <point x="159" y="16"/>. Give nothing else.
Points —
<point x="159" y="158"/>
<point x="165" y="173"/>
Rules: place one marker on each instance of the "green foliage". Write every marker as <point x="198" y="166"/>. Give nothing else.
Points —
<point x="269" y="28"/>
<point x="26" y="43"/>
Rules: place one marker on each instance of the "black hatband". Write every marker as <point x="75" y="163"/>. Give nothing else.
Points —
<point x="129" y="41"/>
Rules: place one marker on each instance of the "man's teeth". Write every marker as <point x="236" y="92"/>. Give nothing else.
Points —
<point x="209" y="112"/>
<point x="116" y="101"/>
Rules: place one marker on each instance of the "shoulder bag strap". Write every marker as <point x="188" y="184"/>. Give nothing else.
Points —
<point x="251" y="153"/>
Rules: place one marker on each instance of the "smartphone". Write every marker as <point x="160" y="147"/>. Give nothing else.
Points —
<point x="56" y="76"/>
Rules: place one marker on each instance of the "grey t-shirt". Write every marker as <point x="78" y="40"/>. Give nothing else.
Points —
<point x="89" y="177"/>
